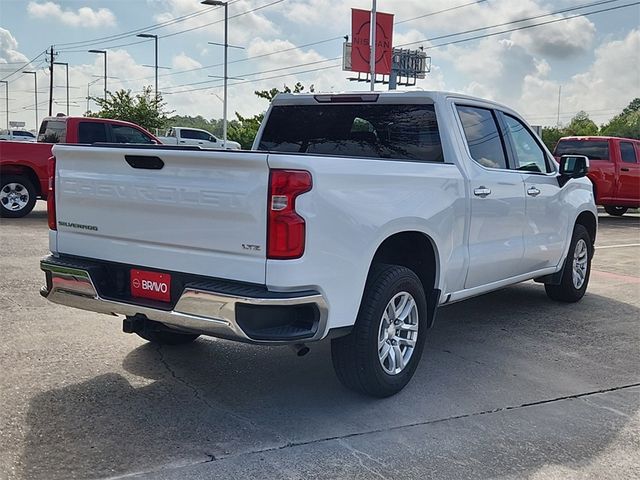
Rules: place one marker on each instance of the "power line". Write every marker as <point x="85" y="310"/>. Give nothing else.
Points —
<point x="440" y="37"/>
<point x="464" y="39"/>
<point x="148" y="28"/>
<point x="440" y="11"/>
<point x="182" y="31"/>
<point x="308" y="44"/>
<point x="24" y="65"/>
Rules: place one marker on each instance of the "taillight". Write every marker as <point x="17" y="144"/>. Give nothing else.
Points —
<point x="286" y="229"/>
<point x="51" y="194"/>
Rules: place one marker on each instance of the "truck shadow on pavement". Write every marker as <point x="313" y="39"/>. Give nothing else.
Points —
<point x="185" y="405"/>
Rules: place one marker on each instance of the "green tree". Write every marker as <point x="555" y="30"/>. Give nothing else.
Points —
<point x="551" y="135"/>
<point x="581" y="124"/>
<point x="142" y="109"/>
<point x="626" y="124"/>
<point x="244" y="129"/>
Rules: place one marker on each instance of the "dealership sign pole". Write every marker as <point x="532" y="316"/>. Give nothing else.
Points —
<point x="372" y="51"/>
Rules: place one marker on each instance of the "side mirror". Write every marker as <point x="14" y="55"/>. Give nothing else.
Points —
<point x="573" y="166"/>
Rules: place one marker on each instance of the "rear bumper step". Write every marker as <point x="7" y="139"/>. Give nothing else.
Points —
<point x="216" y="308"/>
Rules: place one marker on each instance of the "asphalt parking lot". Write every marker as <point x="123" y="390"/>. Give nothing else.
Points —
<point x="511" y="385"/>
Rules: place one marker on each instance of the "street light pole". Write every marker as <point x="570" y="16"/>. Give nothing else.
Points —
<point x="226" y="48"/>
<point x="67" y="69"/>
<point x="6" y="86"/>
<point x="35" y="91"/>
<point x="105" y="69"/>
<point x="155" y="37"/>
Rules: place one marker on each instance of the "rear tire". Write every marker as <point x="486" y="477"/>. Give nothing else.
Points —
<point x="577" y="269"/>
<point x="17" y="196"/>
<point x="157" y="333"/>
<point x="382" y="352"/>
<point x="616" y="211"/>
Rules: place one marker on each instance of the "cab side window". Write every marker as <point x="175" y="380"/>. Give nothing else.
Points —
<point x="92" y="132"/>
<point x="483" y="136"/>
<point x="529" y="156"/>
<point x="125" y="134"/>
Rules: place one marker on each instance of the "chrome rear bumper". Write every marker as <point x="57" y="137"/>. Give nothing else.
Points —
<point x="197" y="310"/>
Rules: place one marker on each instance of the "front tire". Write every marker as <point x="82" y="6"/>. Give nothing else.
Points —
<point x="17" y="196"/>
<point x="616" y="211"/>
<point x="577" y="269"/>
<point x="382" y="352"/>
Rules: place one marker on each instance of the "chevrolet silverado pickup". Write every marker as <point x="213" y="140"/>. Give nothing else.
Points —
<point x="614" y="169"/>
<point x="354" y="218"/>
<point x="23" y="166"/>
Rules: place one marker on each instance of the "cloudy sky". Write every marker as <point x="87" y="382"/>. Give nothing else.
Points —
<point x="594" y="58"/>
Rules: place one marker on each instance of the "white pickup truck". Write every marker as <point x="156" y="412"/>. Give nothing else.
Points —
<point x="355" y="217"/>
<point x="196" y="136"/>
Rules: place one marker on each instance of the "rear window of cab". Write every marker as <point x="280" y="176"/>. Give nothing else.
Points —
<point x="593" y="149"/>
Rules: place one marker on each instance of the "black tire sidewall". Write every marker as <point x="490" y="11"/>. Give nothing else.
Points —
<point x="28" y="185"/>
<point x="377" y="301"/>
<point x="566" y="291"/>
<point x="616" y="211"/>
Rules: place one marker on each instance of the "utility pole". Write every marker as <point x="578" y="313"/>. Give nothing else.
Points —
<point x="50" y="81"/>
<point x="372" y="52"/>
<point x="559" y="92"/>
<point x="6" y="86"/>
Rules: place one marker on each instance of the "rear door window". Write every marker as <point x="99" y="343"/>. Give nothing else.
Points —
<point x="92" y="132"/>
<point x="483" y="136"/>
<point x="593" y="149"/>
<point x="125" y="134"/>
<point x="393" y="132"/>
<point x="627" y="152"/>
<point x="53" y="131"/>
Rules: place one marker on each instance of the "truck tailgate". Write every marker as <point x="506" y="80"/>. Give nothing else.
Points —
<point x="203" y="212"/>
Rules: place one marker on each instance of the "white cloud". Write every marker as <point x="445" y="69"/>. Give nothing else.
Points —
<point x="84" y="17"/>
<point x="242" y="28"/>
<point x="608" y="85"/>
<point x="184" y="62"/>
<point x="9" y="48"/>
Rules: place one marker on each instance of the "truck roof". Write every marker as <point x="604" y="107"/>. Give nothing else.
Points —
<point x="597" y="137"/>
<point x="404" y="96"/>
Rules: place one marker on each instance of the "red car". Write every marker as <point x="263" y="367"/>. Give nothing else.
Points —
<point x="613" y="169"/>
<point x="23" y="166"/>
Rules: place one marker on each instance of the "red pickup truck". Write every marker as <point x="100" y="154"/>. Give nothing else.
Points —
<point x="23" y="166"/>
<point x="613" y="169"/>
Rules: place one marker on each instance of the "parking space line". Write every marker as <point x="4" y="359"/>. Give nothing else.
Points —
<point x="619" y="246"/>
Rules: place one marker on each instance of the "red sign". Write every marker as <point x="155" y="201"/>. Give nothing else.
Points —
<point x="153" y="285"/>
<point x="361" y="49"/>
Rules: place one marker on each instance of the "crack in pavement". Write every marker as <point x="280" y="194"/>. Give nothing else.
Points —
<point x="198" y="396"/>
<point x="341" y="438"/>
<point x="359" y="454"/>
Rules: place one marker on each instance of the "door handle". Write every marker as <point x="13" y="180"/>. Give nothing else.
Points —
<point x="482" y="192"/>
<point x="533" y="192"/>
<point x="624" y="169"/>
<point x="182" y="141"/>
